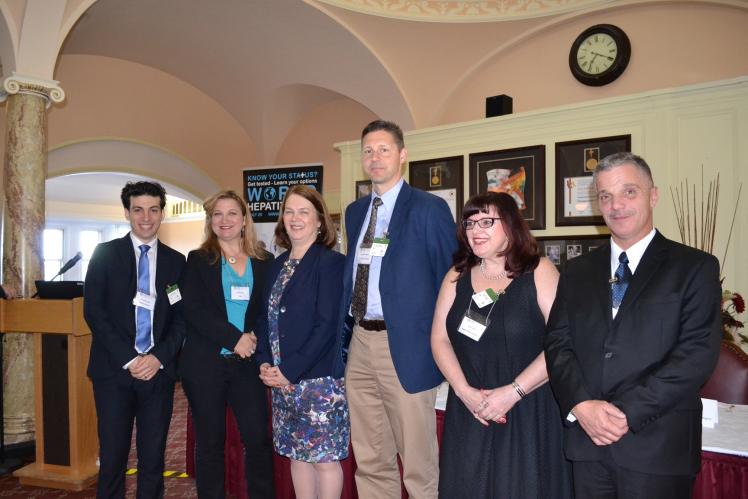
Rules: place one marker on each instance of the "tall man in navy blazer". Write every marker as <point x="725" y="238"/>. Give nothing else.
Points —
<point x="391" y="376"/>
<point x="132" y="366"/>
<point x="633" y="334"/>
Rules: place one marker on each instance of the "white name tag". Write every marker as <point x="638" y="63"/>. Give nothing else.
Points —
<point x="173" y="293"/>
<point x="145" y="301"/>
<point x="485" y="297"/>
<point x="364" y="256"/>
<point x="240" y="293"/>
<point x="472" y="329"/>
<point x="379" y="248"/>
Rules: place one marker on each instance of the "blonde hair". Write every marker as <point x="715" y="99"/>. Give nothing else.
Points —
<point x="249" y="243"/>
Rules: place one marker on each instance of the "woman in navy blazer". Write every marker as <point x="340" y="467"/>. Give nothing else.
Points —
<point x="296" y="334"/>
<point x="221" y="289"/>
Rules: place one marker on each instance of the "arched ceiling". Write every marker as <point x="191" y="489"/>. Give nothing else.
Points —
<point x="245" y="54"/>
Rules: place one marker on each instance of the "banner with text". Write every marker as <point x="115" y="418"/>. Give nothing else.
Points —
<point x="266" y="188"/>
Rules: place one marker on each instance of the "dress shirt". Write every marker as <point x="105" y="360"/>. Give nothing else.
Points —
<point x="384" y="215"/>
<point x="153" y="243"/>
<point x="634" y="254"/>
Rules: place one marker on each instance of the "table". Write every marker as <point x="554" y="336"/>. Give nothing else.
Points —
<point x="724" y="466"/>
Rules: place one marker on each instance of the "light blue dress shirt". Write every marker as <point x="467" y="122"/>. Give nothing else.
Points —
<point x="384" y="215"/>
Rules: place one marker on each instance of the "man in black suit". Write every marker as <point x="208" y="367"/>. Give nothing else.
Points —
<point x="633" y="334"/>
<point x="131" y="307"/>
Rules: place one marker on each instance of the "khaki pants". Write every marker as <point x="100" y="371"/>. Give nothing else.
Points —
<point x="387" y="421"/>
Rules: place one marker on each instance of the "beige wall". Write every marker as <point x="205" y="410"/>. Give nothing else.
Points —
<point x="671" y="45"/>
<point x="182" y="236"/>
<point x="114" y="98"/>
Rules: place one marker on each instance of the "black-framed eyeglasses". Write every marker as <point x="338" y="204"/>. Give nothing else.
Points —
<point x="483" y="223"/>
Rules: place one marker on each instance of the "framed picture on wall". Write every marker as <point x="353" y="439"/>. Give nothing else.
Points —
<point x="442" y="177"/>
<point x="363" y="188"/>
<point x="561" y="249"/>
<point x="576" y="161"/>
<point x="518" y="172"/>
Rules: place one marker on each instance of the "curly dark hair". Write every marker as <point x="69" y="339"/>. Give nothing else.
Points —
<point x="142" y="188"/>
<point x="521" y="253"/>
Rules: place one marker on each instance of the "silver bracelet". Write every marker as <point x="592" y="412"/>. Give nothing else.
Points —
<point x="519" y="390"/>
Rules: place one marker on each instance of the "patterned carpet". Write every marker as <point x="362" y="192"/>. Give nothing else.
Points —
<point x="175" y="461"/>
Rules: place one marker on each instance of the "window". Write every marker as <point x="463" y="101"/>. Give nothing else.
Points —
<point x="87" y="241"/>
<point x="53" y="249"/>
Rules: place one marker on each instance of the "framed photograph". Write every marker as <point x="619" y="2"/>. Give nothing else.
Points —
<point x="442" y="177"/>
<point x="518" y="172"/>
<point x="576" y="161"/>
<point x="561" y="249"/>
<point x="363" y="188"/>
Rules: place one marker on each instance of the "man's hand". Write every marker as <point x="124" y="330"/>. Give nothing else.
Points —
<point x="144" y="368"/>
<point x="246" y="345"/>
<point x="603" y="422"/>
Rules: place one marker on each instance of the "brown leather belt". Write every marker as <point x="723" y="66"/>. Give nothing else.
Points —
<point x="373" y="325"/>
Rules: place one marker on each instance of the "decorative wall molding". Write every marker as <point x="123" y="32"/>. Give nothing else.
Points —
<point x="50" y="90"/>
<point x="464" y="10"/>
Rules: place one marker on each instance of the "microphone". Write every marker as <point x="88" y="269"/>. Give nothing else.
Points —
<point x="613" y="280"/>
<point x="69" y="265"/>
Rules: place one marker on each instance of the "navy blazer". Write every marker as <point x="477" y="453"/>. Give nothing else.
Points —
<point x="650" y="361"/>
<point x="422" y="241"/>
<point x="208" y="326"/>
<point x="308" y="315"/>
<point x="111" y="283"/>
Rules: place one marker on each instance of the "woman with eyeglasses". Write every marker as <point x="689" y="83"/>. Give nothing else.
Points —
<point x="502" y="429"/>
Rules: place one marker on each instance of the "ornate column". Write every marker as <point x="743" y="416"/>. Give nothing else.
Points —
<point x="25" y="172"/>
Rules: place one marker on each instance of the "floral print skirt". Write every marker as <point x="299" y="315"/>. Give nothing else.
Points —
<point x="310" y="420"/>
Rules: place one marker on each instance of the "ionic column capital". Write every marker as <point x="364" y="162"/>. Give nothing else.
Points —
<point x="50" y="90"/>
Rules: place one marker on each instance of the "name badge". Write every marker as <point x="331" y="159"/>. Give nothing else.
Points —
<point x="173" y="293"/>
<point x="471" y="328"/>
<point x="240" y="293"/>
<point x="379" y="248"/>
<point x="364" y="256"/>
<point x="145" y="301"/>
<point x="485" y="297"/>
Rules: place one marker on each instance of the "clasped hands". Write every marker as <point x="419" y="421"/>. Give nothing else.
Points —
<point x="272" y="376"/>
<point x="246" y="345"/>
<point x="489" y="405"/>
<point x="144" y="367"/>
<point x="603" y="422"/>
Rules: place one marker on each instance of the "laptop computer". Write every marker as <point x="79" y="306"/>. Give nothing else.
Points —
<point x="59" y="290"/>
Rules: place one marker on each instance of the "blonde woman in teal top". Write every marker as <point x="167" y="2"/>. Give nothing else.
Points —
<point x="221" y="288"/>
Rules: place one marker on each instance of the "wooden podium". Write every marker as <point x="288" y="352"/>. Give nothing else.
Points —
<point x="66" y="441"/>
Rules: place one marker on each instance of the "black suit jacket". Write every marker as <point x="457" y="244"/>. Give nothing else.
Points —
<point x="111" y="283"/>
<point x="208" y="326"/>
<point x="650" y="361"/>
<point x="308" y="315"/>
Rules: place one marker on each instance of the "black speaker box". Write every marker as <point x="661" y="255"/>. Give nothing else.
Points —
<point x="498" y="105"/>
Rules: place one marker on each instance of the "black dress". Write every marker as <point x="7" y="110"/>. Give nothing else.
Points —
<point x="522" y="459"/>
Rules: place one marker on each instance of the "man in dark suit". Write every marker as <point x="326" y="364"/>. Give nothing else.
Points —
<point x="130" y="305"/>
<point x="400" y="245"/>
<point x="633" y="334"/>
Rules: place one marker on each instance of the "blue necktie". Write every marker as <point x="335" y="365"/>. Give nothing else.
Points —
<point x="143" y="315"/>
<point x="623" y="278"/>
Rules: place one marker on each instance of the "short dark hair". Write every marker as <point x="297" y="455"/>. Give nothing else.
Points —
<point x="622" y="158"/>
<point x="327" y="234"/>
<point x="142" y="188"/>
<point x="388" y="126"/>
<point x="521" y="253"/>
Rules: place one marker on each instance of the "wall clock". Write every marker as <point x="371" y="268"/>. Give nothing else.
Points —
<point x="599" y="55"/>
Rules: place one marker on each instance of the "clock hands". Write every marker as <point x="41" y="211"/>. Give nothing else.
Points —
<point x="606" y="56"/>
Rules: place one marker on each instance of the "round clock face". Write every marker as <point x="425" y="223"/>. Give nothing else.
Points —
<point x="599" y="55"/>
